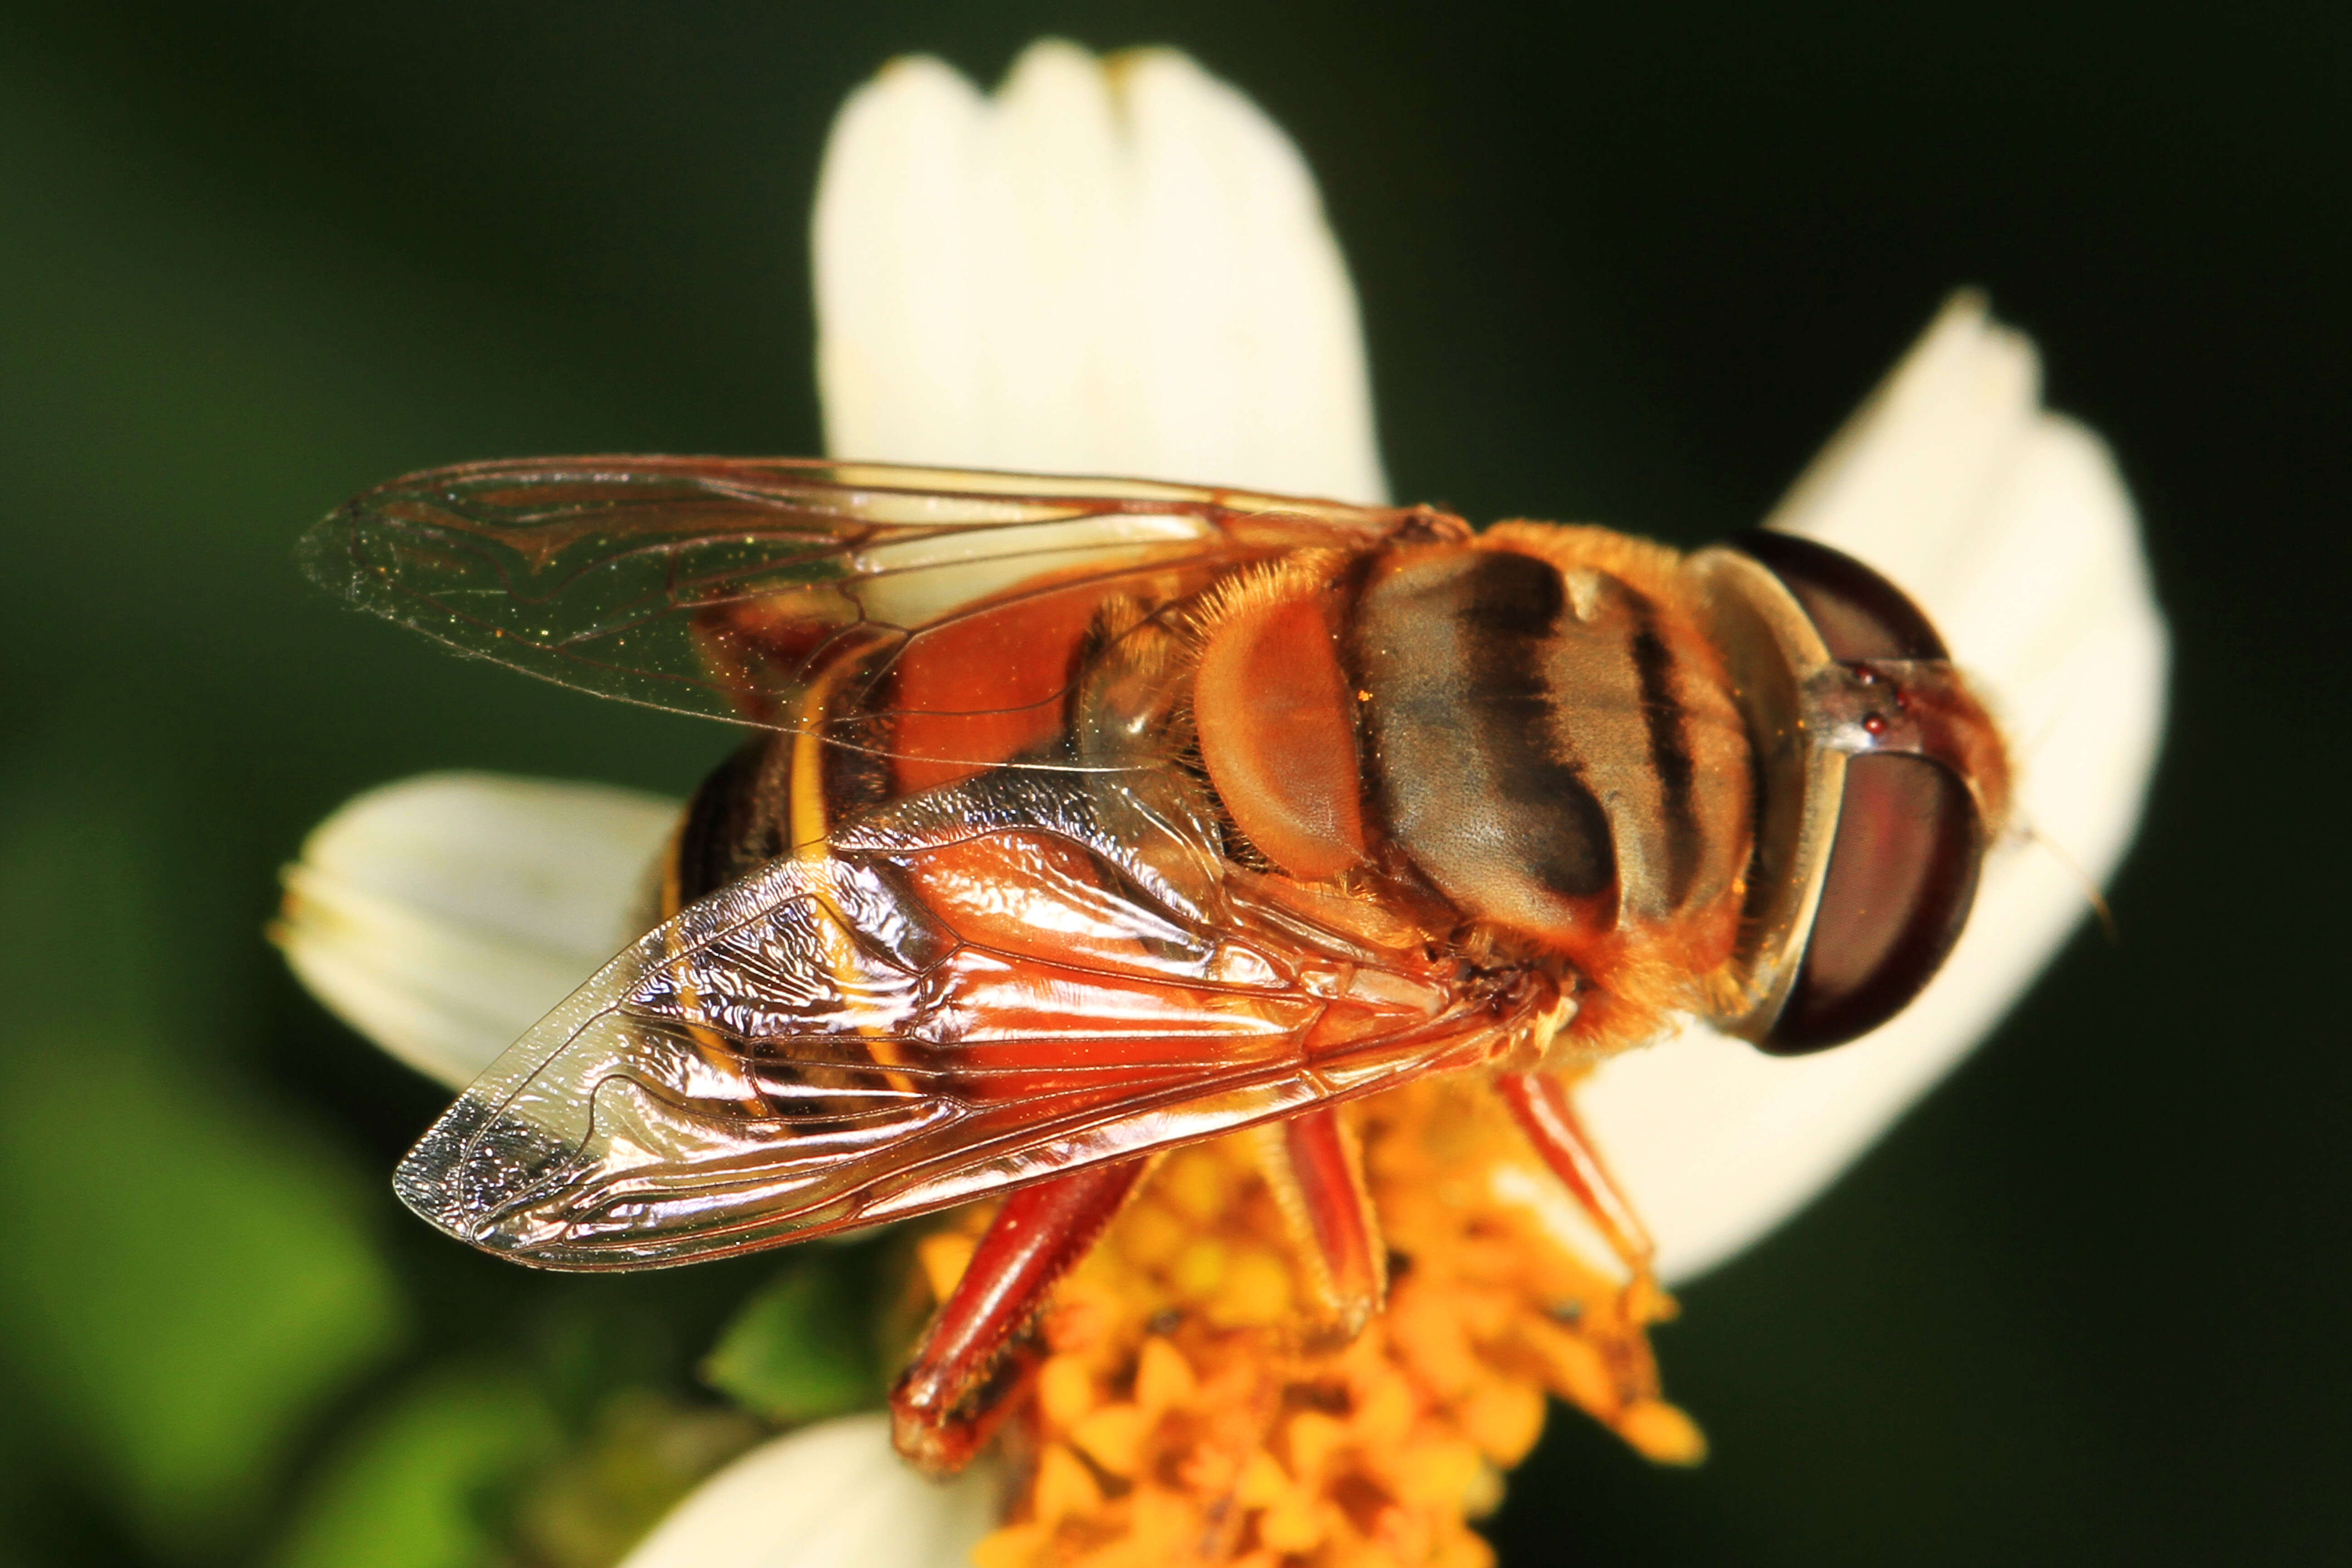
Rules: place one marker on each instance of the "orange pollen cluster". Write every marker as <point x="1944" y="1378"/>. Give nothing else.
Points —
<point x="1183" y="1415"/>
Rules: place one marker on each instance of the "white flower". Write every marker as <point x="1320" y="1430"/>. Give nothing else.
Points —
<point x="444" y="915"/>
<point x="1122" y="267"/>
<point x="834" y="1495"/>
<point x="1111" y="267"/>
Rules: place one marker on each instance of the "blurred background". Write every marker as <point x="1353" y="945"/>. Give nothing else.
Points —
<point x="1619" y="263"/>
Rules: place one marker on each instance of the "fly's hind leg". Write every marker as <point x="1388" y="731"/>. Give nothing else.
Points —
<point x="1540" y="1104"/>
<point x="1633" y="1406"/>
<point x="968" y="1369"/>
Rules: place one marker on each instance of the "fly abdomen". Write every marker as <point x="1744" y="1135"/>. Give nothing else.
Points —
<point x="1545" y="743"/>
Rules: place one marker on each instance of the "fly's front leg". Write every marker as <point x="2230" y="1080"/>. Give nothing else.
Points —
<point x="1317" y="1175"/>
<point x="967" y="1370"/>
<point x="1541" y="1105"/>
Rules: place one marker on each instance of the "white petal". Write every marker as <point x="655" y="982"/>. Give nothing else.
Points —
<point x="2013" y="530"/>
<point x="444" y="915"/>
<point x="834" y="1496"/>
<point x="1111" y="267"/>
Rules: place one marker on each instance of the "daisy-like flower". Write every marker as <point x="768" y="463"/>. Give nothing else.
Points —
<point x="1122" y="267"/>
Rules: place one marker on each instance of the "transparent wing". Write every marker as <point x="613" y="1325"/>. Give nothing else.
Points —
<point x="720" y="586"/>
<point x="986" y="986"/>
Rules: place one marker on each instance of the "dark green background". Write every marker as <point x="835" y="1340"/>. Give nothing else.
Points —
<point x="2089" y="1303"/>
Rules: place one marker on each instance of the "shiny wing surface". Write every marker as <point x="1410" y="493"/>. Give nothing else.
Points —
<point x="983" y="989"/>
<point x="720" y="586"/>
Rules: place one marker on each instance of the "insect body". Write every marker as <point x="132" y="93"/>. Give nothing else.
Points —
<point x="1087" y="818"/>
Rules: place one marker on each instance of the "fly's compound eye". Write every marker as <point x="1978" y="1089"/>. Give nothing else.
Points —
<point x="1901" y="876"/>
<point x="1924" y="775"/>
<point x="1879" y="780"/>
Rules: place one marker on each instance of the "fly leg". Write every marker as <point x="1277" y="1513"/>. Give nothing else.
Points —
<point x="1317" y="1175"/>
<point x="1540" y="1104"/>
<point x="964" y="1374"/>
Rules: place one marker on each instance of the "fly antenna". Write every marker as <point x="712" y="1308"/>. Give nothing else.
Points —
<point x="2073" y="867"/>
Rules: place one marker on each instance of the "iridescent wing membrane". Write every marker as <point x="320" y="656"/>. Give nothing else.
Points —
<point x="1016" y="972"/>
<point x="977" y="990"/>
<point x="718" y="586"/>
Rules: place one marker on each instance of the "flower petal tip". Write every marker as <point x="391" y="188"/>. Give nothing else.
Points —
<point x="1111" y="266"/>
<point x="443" y="915"/>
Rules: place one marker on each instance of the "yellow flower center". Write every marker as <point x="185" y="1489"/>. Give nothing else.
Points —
<point x="1184" y="1414"/>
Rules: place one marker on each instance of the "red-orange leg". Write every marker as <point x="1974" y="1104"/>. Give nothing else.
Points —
<point x="1311" y="1164"/>
<point x="1545" y="1113"/>
<point x="964" y="1374"/>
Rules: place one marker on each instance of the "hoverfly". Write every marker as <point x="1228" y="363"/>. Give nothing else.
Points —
<point x="1084" y="818"/>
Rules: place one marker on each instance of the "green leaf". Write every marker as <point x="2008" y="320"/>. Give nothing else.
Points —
<point x="190" y="1275"/>
<point x="417" y="1486"/>
<point x="189" y="1282"/>
<point x="799" y="1349"/>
